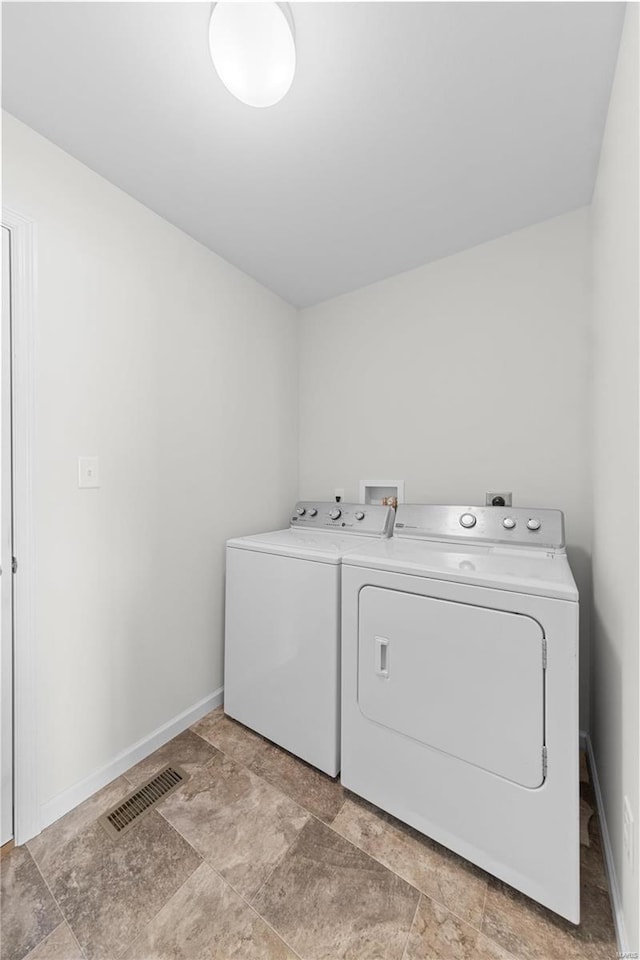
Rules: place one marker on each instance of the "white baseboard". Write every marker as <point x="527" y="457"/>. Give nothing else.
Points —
<point x="614" y="889"/>
<point x="55" y="808"/>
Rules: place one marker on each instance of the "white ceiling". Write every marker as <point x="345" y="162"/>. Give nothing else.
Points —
<point x="412" y="130"/>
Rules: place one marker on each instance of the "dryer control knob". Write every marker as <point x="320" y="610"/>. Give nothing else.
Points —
<point x="467" y="520"/>
<point x="359" y="515"/>
<point x="335" y="514"/>
<point x="312" y="512"/>
<point x="509" y="523"/>
<point x="533" y="524"/>
<point x="300" y="511"/>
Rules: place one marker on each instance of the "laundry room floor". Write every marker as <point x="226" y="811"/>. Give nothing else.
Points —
<point x="259" y="856"/>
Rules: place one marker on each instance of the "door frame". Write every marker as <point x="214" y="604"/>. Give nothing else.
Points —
<point x="26" y="822"/>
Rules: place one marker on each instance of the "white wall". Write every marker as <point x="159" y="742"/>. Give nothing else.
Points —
<point x="466" y="375"/>
<point x="614" y="220"/>
<point x="180" y="373"/>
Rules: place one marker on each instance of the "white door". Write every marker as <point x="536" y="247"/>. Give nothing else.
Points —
<point x="463" y="679"/>
<point x="6" y="543"/>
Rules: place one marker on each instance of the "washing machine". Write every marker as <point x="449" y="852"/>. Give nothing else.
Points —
<point x="460" y="689"/>
<point x="282" y="629"/>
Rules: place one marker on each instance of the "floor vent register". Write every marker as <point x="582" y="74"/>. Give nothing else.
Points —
<point x="128" y="812"/>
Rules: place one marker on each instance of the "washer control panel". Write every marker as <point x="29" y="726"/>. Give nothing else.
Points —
<point x="521" y="526"/>
<point x="367" y="520"/>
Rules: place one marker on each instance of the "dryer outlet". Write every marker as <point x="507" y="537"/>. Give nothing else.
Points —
<point x="498" y="499"/>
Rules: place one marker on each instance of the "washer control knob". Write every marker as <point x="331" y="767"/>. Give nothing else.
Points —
<point x="467" y="520"/>
<point x="509" y="523"/>
<point x="359" y="515"/>
<point x="312" y="512"/>
<point x="533" y="524"/>
<point x="300" y="511"/>
<point x="335" y="514"/>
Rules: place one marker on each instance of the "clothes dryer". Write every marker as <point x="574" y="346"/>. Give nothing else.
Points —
<point x="460" y="689"/>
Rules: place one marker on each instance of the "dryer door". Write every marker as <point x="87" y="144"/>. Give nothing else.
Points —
<point x="463" y="679"/>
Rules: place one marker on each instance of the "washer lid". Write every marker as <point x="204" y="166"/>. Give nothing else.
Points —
<point x="503" y="568"/>
<point x="323" y="547"/>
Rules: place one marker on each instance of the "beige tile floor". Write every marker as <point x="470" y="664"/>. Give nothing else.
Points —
<point x="260" y="856"/>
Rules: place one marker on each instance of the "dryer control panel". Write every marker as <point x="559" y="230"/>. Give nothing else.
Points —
<point x="364" y="519"/>
<point x="520" y="526"/>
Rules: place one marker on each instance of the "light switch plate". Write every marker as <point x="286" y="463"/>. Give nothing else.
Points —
<point x="88" y="475"/>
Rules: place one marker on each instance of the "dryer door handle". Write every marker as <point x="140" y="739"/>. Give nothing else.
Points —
<point x="382" y="657"/>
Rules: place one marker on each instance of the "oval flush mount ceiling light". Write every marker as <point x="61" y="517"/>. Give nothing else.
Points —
<point x="253" y="50"/>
